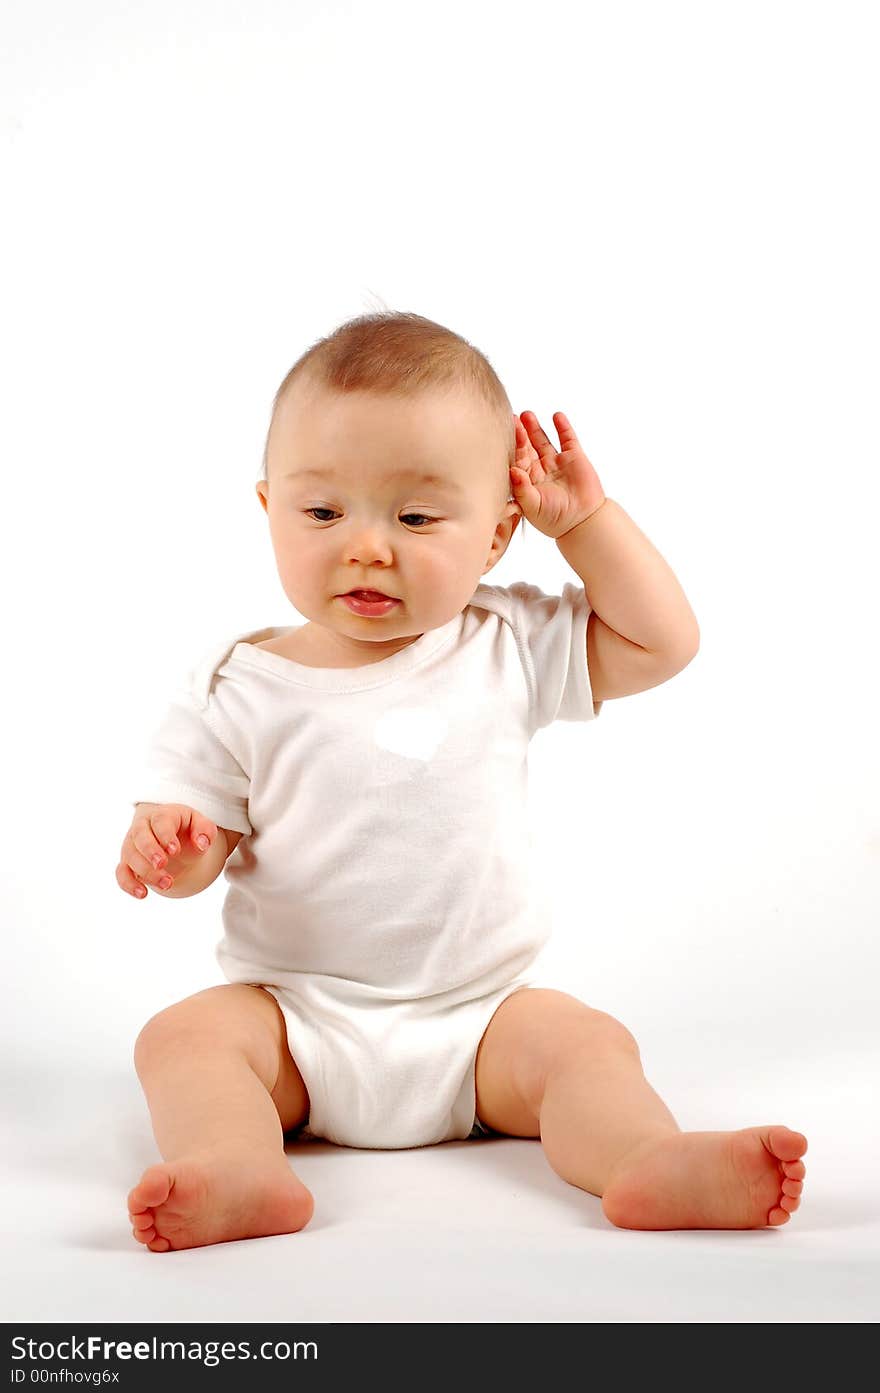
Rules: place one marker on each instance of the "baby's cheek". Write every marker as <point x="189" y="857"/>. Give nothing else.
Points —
<point x="441" y="579"/>
<point x="297" y="564"/>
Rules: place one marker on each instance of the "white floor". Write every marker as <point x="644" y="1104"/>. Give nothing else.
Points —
<point x="468" y="1231"/>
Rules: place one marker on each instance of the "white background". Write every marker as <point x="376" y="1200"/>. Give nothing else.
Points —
<point x="660" y="219"/>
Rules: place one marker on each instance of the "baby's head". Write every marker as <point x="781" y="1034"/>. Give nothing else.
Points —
<point x="386" y="469"/>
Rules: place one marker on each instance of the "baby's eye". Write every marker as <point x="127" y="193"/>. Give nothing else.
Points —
<point x="411" y="519"/>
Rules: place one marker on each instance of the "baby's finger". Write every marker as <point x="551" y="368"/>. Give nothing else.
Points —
<point x="165" y="824"/>
<point x="150" y="840"/>
<point x="203" y="831"/>
<point x="128" y="881"/>
<point x="567" y="438"/>
<point x="148" y="871"/>
<point x="526" y="454"/>
<point x="538" y="438"/>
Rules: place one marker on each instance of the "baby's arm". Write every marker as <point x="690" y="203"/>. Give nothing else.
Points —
<point x="162" y="843"/>
<point x="642" y="629"/>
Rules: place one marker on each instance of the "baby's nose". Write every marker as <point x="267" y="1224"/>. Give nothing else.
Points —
<point x="369" y="544"/>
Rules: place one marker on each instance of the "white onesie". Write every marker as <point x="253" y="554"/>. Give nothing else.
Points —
<point x="384" y="889"/>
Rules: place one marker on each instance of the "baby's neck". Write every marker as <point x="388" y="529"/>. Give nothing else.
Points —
<point x="313" y="647"/>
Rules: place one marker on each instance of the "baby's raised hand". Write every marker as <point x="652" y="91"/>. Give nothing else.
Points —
<point x="555" y="489"/>
<point x="164" y="840"/>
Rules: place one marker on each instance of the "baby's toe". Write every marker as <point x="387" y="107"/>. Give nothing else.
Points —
<point x="152" y="1189"/>
<point x="789" y="1203"/>
<point x="785" y="1144"/>
<point x="159" y="1245"/>
<point x="795" y="1170"/>
<point x="792" y="1187"/>
<point x="778" y="1216"/>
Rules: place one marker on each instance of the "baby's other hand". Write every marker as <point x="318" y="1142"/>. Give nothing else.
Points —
<point x="164" y="840"/>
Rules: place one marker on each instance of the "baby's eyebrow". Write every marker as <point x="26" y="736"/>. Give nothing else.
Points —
<point x="437" y="479"/>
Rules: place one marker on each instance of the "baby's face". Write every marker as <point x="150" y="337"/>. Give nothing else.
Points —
<point x="350" y="508"/>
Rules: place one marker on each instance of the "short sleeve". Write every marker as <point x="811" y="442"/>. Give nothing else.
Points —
<point x="188" y="761"/>
<point x="551" y="632"/>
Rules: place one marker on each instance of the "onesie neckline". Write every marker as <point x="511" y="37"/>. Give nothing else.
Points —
<point x="345" y="679"/>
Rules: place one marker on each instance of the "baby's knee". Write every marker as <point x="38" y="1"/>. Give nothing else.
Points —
<point x="587" y="1032"/>
<point x="203" y="1020"/>
<point x="237" y="1018"/>
<point x="165" y="1031"/>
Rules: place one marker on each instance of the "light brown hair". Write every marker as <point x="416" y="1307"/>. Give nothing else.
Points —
<point x="398" y="352"/>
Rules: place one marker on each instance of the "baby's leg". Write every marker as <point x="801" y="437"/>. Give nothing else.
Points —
<point x="222" y="1089"/>
<point x="550" y="1066"/>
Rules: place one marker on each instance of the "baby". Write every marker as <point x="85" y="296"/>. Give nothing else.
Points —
<point x="361" y="778"/>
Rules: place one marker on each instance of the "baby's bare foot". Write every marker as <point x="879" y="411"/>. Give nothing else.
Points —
<point x="709" y="1180"/>
<point x="215" y="1197"/>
